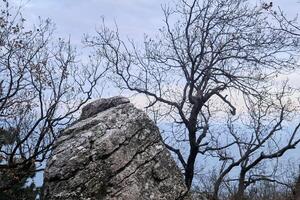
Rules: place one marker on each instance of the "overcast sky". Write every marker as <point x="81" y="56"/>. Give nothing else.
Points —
<point x="134" y="17"/>
<point x="75" y="18"/>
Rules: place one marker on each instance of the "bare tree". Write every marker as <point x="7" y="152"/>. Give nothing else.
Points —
<point x="276" y="186"/>
<point x="265" y="131"/>
<point x="42" y="86"/>
<point x="207" y="53"/>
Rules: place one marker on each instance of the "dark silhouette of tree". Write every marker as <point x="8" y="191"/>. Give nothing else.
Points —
<point x="42" y="86"/>
<point x="264" y="131"/>
<point x="207" y="53"/>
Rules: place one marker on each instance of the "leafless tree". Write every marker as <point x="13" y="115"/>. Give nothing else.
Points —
<point x="42" y="86"/>
<point x="206" y="53"/>
<point x="271" y="183"/>
<point x="266" y="130"/>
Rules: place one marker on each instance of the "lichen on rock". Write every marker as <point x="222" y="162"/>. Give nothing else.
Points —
<point x="113" y="152"/>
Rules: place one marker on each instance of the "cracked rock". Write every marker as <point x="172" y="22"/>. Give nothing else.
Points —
<point x="114" y="152"/>
<point x="101" y="105"/>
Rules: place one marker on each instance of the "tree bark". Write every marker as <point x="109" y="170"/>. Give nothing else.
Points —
<point x="189" y="170"/>
<point x="240" y="194"/>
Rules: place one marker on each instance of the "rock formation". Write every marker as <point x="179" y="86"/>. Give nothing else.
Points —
<point x="113" y="152"/>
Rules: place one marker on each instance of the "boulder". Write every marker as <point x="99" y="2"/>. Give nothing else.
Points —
<point x="100" y="105"/>
<point x="113" y="152"/>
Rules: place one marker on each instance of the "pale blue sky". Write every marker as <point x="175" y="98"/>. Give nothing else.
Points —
<point x="76" y="17"/>
<point x="134" y="17"/>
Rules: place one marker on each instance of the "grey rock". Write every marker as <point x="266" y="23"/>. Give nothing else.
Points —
<point x="113" y="155"/>
<point x="102" y="105"/>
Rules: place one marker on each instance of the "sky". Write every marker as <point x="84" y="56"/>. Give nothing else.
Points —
<point x="134" y="17"/>
<point x="77" y="17"/>
<point x="74" y="18"/>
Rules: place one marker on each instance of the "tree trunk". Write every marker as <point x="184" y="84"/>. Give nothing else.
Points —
<point x="190" y="165"/>
<point x="240" y="194"/>
<point x="216" y="190"/>
<point x="297" y="189"/>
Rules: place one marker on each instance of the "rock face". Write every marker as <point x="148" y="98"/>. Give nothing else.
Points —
<point x="114" y="152"/>
<point x="100" y="105"/>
